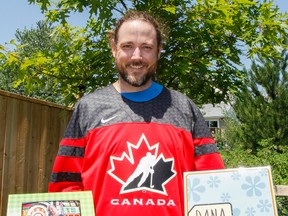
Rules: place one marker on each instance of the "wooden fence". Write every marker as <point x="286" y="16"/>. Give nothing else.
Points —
<point x="30" y="131"/>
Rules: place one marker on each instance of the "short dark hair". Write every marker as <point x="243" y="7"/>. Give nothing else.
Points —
<point x="137" y="15"/>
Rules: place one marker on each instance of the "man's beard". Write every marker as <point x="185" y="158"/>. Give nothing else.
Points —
<point x="150" y="73"/>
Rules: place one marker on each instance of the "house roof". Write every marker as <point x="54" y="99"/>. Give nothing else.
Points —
<point x="214" y="111"/>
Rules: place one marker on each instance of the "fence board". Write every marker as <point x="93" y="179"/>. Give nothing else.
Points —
<point x="30" y="131"/>
<point x="3" y="113"/>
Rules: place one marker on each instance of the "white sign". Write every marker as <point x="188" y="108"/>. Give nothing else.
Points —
<point x="219" y="209"/>
<point x="227" y="192"/>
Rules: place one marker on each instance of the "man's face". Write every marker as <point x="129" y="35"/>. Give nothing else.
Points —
<point x="136" y="52"/>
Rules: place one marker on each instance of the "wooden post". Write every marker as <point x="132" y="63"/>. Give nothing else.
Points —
<point x="281" y="190"/>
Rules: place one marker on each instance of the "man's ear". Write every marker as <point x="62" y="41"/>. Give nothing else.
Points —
<point x="159" y="51"/>
<point x="113" y="47"/>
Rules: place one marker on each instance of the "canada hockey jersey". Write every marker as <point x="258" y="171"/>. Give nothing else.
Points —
<point x="132" y="155"/>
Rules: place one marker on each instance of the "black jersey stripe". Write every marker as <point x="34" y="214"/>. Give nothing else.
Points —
<point x="66" y="177"/>
<point x="71" y="151"/>
<point x="205" y="149"/>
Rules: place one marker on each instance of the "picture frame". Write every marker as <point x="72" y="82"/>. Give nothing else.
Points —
<point x="51" y="204"/>
<point x="227" y="192"/>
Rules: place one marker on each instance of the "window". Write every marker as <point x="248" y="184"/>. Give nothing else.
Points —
<point x="213" y="124"/>
<point x="214" y="127"/>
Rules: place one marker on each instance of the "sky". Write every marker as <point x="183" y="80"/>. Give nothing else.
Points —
<point x="18" y="14"/>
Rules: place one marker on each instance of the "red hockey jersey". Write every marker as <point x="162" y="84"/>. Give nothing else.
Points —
<point x="132" y="155"/>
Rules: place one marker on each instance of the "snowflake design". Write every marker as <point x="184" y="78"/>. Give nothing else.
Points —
<point x="214" y="181"/>
<point x="263" y="172"/>
<point x="225" y="197"/>
<point x="250" y="211"/>
<point x="253" y="186"/>
<point x="235" y="176"/>
<point x="264" y="205"/>
<point x="236" y="212"/>
<point x="194" y="188"/>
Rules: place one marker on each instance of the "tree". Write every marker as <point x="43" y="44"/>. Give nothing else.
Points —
<point x="69" y="61"/>
<point x="262" y="104"/>
<point x="6" y="76"/>
<point x="257" y="132"/>
<point x="201" y="53"/>
<point x="31" y="42"/>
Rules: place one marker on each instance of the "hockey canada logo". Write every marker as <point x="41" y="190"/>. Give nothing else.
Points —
<point x="142" y="167"/>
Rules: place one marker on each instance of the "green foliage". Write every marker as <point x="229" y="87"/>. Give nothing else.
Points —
<point x="258" y="123"/>
<point x="59" y="62"/>
<point x="239" y="156"/>
<point x="201" y="56"/>
<point x="262" y="105"/>
<point x="15" y="76"/>
<point x="256" y="131"/>
<point x="32" y="43"/>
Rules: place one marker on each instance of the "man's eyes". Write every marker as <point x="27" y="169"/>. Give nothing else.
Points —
<point x="127" y="46"/>
<point x="147" y="47"/>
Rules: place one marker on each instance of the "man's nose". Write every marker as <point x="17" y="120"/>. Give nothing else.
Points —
<point x="137" y="54"/>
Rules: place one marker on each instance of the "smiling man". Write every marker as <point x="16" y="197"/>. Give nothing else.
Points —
<point x="130" y="142"/>
<point x="136" y="53"/>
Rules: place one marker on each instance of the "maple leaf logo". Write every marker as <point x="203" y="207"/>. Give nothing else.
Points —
<point x="142" y="168"/>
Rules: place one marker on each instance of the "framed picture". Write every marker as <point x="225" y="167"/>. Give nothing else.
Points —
<point x="227" y="192"/>
<point x="51" y="204"/>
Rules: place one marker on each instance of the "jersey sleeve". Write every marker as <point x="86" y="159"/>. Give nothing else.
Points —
<point x="207" y="156"/>
<point x="66" y="172"/>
